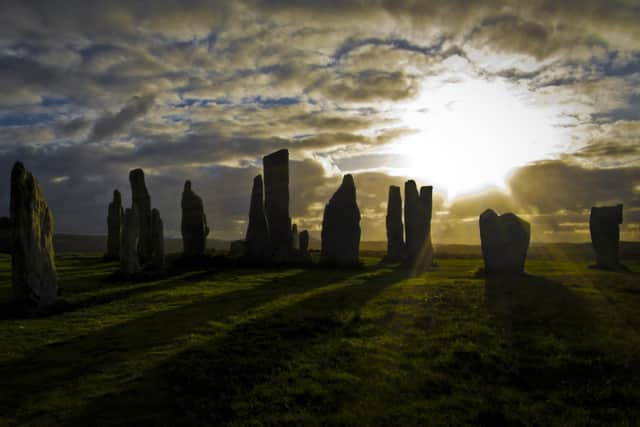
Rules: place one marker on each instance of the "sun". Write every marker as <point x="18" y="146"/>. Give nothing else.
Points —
<point x="469" y="134"/>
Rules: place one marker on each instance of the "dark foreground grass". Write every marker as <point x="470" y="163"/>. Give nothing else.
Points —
<point x="316" y="347"/>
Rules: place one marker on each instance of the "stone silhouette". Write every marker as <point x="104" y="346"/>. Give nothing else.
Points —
<point x="157" y="240"/>
<point x="604" y="225"/>
<point x="258" y="241"/>
<point x="129" y="263"/>
<point x="194" y="223"/>
<point x="276" y="203"/>
<point x="341" y="227"/>
<point x="142" y="205"/>
<point x="417" y="222"/>
<point x="395" y="230"/>
<point x="238" y="249"/>
<point x="304" y="242"/>
<point x="5" y="235"/>
<point x="114" y="226"/>
<point x="32" y="255"/>
<point x="295" y="242"/>
<point x="505" y="241"/>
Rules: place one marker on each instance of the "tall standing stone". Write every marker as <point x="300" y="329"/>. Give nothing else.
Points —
<point x="157" y="240"/>
<point x="395" y="230"/>
<point x="258" y="241"/>
<point x="32" y="256"/>
<point x="5" y="235"/>
<point x="129" y="263"/>
<point x="114" y="226"/>
<point x="417" y="222"/>
<point x="505" y="242"/>
<point x="142" y="205"/>
<point x="276" y="203"/>
<point x="194" y="222"/>
<point x="604" y="225"/>
<point x="341" y="227"/>
<point x="304" y="242"/>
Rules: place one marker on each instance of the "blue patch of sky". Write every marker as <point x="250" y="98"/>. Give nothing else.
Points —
<point x="202" y="102"/>
<point x="271" y="102"/>
<point x="55" y="101"/>
<point x="25" y="119"/>
<point x="394" y="43"/>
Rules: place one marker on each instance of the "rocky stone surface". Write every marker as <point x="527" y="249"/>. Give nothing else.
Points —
<point x="395" y="229"/>
<point x="604" y="225"/>
<point x="5" y="235"/>
<point x="157" y="240"/>
<point x="258" y="241"/>
<point x="341" y="227"/>
<point x="276" y="203"/>
<point x="194" y="223"/>
<point x="32" y="256"/>
<point x="129" y="263"/>
<point x="505" y="242"/>
<point x="238" y="249"/>
<point x="417" y="222"/>
<point x="142" y="205"/>
<point x="114" y="226"/>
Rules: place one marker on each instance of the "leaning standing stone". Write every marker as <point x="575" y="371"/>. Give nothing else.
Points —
<point x="505" y="242"/>
<point x="32" y="258"/>
<point x="258" y="241"/>
<point x="194" y="223"/>
<point x="604" y="225"/>
<point x="341" y="227"/>
<point x="114" y="226"/>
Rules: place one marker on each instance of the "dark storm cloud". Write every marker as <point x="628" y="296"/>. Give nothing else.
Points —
<point x="110" y="124"/>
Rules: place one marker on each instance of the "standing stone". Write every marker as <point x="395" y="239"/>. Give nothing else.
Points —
<point x="114" y="226"/>
<point x="417" y="222"/>
<point x="304" y="242"/>
<point x="276" y="203"/>
<point x="505" y="241"/>
<point x="258" y="242"/>
<point x="604" y="225"/>
<point x="395" y="230"/>
<point x="129" y="243"/>
<point x="142" y="205"/>
<point x="157" y="240"/>
<point x="5" y="235"/>
<point x="32" y="256"/>
<point x="341" y="227"/>
<point x="194" y="223"/>
<point x="295" y="242"/>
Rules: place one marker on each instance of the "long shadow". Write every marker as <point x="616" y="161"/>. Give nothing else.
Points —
<point x="53" y="365"/>
<point x="203" y="385"/>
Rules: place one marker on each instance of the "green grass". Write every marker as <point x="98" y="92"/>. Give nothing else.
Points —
<point x="315" y="347"/>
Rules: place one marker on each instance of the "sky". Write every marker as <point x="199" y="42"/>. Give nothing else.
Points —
<point x="530" y="107"/>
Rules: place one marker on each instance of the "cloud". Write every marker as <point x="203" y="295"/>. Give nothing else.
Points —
<point x="110" y="124"/>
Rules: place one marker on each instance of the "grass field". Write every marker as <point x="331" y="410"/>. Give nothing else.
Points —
<point x="312" y="347"/>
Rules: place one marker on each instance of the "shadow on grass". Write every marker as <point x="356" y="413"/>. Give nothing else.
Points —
<point x="204" y="385"/>
<point x="53" y="366"/>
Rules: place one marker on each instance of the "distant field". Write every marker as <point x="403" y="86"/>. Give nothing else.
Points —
<point x="314" y="346"/>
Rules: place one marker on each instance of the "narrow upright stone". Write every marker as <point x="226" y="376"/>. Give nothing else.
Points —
<point x="258" y="242"/>
<point x="295" y="239"/>
<point x="304" y="242"/>
<point x="341" y="227"/>
<point x="194" y="222"/>
<point x="395" y="230"/>
<point x="129" y="263"/>
<point x="505" y="242"/>
<point x="157" y="240"/>
<point x="142" y="205"/>
<point x="32" y="256"/>
<point x="604" y="225"/>
<point x="114" y="226"/>
<point x="5" y="235"/>
<point x="276" y="203"/>
<point x="417" y="222"/>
